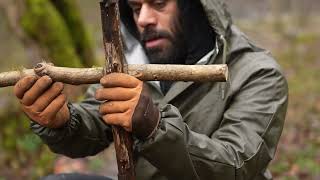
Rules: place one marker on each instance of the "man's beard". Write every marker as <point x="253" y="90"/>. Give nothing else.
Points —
<point x="173" y="53"/>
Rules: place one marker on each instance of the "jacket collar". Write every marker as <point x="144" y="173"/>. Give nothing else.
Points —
<point x="178" y="87"/>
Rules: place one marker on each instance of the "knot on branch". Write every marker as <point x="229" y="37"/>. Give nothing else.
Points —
<point x="41" y="69"/>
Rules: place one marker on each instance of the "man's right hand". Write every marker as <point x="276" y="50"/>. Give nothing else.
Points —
<point x="43" y="101"/>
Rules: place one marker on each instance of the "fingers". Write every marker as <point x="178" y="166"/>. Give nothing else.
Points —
<point x="119" y="119"/>
<point x="119" y="80"/>
<point x="114" y="107"/>
<point x="24" y="85"/>
<point x="115" y="94"/>
<point x="54" y="116"/>
<point x="62" y="117"/>
<point x="43" y="101"/>
<point x="48" y="96"/>
<point x="122" y="92"/>
<point x="54" y="107"/>
<point x="36" y="90"/>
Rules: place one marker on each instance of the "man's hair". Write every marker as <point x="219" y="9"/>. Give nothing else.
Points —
<point x="126" y="14"/>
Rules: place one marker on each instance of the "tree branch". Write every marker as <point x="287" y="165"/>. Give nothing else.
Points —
<point x="144" y="72"/>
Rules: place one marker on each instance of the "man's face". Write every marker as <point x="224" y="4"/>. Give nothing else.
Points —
<point x="159" y="28"/>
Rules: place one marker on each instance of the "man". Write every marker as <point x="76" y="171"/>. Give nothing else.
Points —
<point x="186" y="130"/>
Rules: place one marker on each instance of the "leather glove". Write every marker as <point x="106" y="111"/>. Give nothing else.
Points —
<point x="42" y="101"/>
<point x="127" y="104"/>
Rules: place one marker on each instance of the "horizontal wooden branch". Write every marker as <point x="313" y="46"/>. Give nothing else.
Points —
<point x="144" y="72"/>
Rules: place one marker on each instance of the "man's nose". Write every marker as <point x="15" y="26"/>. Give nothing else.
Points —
<point x="147" y="16"/>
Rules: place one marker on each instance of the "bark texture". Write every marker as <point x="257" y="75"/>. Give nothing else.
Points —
<point x="115" y="59"/>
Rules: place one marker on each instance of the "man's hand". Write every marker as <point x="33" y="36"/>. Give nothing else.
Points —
<point x="42" y="101"/>
<point x="127" y="104"/>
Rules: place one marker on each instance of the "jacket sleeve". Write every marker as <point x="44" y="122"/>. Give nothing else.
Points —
<point x="84" y="134"/>
<point x="241" y="148"/>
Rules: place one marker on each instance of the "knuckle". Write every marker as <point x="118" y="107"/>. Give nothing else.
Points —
<point x="104" y="80"/>
<point x="33" y="109"/>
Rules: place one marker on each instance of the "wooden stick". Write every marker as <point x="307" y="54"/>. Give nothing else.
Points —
<point x="115" y="59"/>
<point x="144" y="72"/>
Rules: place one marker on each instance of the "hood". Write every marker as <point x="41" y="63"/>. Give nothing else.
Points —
<point x="219" y="18"/>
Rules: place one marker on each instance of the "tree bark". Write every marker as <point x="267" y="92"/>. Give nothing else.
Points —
<point x="144" y="72"/>
<point x="115" y="59"/>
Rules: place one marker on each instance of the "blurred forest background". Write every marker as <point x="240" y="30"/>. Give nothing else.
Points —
<point x="68" y="33"/>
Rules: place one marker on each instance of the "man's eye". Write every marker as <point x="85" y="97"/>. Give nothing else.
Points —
<point x="159" y="3"/>
<point x="136" y="10"/>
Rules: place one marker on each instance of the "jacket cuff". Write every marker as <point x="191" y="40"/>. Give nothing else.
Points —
<point x="54" y="136"/>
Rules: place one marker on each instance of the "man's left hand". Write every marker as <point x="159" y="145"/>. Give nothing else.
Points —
<point x="127" y="104"/>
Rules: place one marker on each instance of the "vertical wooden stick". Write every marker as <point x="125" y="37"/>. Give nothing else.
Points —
<point x="114" y="63"/>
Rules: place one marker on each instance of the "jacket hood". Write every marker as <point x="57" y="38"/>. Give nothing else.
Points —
<point x="218" y="16"/>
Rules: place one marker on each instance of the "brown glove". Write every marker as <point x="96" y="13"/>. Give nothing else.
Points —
<point x="42" y="101"/>
<point x="128" y="105"/>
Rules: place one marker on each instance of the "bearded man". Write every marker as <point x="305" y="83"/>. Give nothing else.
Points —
<point x="182" y="130"/>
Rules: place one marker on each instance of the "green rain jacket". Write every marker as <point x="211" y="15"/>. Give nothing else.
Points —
<point x="207" y="130"/>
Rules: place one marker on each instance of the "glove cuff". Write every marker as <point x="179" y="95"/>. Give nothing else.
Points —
<point x="146" y="118"/>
